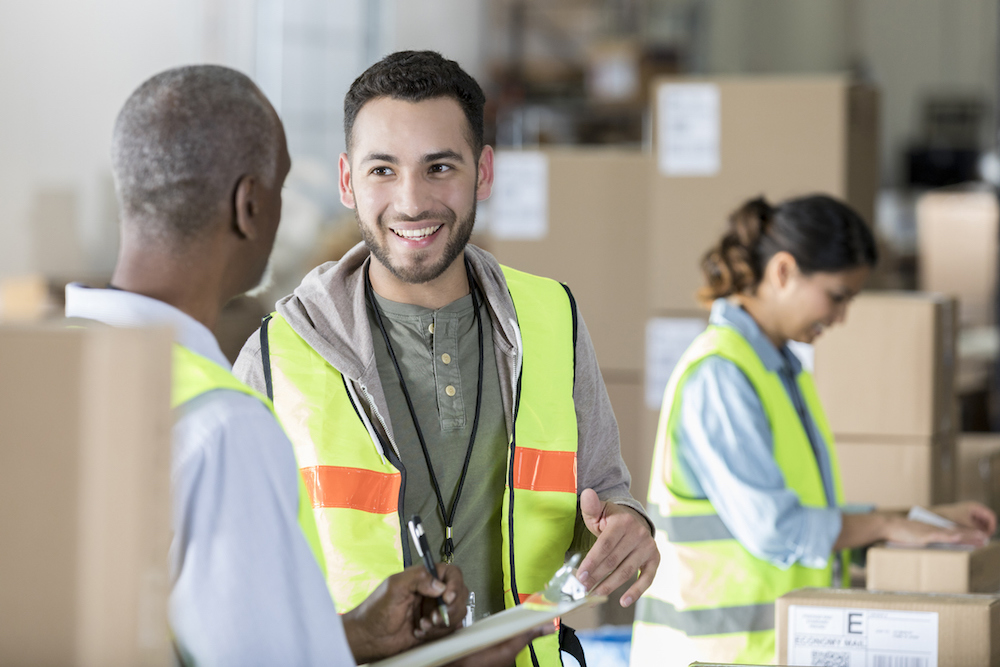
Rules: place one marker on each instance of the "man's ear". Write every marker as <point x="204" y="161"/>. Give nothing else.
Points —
<point x="485" y="172"/>
<point x="344" y="180"/>
<point x="247" y="208"/>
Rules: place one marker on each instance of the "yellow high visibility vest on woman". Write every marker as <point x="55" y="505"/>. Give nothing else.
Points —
<point x="712" y="600"/>
<point x="194" y="375"/>
<point x="356" y="486"/>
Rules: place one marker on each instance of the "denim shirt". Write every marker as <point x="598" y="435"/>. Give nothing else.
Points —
<point x="726" y="454"/>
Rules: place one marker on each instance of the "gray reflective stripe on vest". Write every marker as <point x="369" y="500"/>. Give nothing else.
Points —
<point x="701" y="528"/>
<point x="702" y="622"/>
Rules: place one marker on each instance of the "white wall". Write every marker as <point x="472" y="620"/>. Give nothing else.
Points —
<point x="65" y="69"/>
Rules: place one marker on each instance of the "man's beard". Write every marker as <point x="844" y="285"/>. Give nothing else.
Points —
<point x="419" y="272"/>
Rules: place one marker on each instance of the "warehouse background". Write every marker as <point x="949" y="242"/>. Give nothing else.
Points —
<point x="66" y="67"/>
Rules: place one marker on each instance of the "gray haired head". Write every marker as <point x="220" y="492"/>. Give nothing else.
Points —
<point x="181" y="143"/>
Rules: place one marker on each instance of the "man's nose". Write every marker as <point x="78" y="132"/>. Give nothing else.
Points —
<point x="412" y="197"/>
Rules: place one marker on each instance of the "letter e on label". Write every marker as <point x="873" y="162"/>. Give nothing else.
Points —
<point x="855" y="623"/>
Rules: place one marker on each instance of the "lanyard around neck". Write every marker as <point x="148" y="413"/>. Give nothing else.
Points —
<point x="448" y="517"/>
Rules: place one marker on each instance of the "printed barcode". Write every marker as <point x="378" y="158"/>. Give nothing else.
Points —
<point x="831" y="659"/>
<point x="899" y="661"/>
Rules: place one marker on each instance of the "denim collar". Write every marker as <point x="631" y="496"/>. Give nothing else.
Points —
<point x="728" y="314"/>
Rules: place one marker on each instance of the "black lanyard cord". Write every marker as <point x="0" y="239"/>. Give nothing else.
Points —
<point x="446" y="516"/>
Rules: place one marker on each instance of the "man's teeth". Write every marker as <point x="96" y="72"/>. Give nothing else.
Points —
<point x="416" y="234"/>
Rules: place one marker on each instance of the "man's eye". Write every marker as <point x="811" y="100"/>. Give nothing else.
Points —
<point x="381" y="171"/>
<point x="439" y="168"/>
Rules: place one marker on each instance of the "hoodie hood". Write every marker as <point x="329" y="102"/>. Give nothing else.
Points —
<point x="329" y="310"/>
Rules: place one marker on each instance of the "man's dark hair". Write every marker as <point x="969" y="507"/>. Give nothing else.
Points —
<point x="181" y="143"/>
<point x="415" y="76"/>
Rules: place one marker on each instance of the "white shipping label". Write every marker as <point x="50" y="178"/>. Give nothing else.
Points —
<point x="688" y="129"/>
<point x="862" y="637"/>
<point x="667" y="338"/>
<point x="520" y="199"/>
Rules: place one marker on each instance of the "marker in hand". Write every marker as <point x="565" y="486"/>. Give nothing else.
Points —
<point x="420" y="540"/>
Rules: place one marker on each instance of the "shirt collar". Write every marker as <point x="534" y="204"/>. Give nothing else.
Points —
<point x="127" y="309"/>
<point x="728" y="314"/>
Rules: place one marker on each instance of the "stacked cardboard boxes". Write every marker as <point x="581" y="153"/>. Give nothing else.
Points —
<point x="84" y="495"/>
<point x="886" y="379"/>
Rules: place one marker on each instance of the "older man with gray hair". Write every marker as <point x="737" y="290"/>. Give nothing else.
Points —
<point x="199" y="158"/>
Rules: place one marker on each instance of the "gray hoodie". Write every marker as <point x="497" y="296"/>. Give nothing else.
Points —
<point x="328" y="310"/>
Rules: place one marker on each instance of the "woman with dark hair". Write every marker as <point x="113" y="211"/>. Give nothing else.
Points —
<point x="745" y="488"/>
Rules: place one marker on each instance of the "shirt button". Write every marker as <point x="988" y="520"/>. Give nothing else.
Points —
<point x="430" y="327"/>
<point x="450" y="390"/>
<point x="446" y="358"/>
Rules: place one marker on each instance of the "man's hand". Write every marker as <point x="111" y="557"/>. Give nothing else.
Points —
<point x="624" y="546"/>
<point x="402" y="612"/>
<point x="969" y="515"/>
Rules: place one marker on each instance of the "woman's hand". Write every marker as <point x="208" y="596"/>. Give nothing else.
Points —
<point x="969" y="515"/>
<point x="859" y="530"/>
<point x="916" y="533"/>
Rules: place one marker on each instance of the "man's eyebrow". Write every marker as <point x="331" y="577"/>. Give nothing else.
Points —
<point x="444" y="155"/>
<point x="380" y="157"/>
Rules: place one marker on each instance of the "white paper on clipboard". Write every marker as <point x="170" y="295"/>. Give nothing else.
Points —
<point x="485" y="633"/>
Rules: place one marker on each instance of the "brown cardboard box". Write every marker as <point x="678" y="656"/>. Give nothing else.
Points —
<point x="934" y="570"/>
<point x="593" y="241"/>
<point x="973" y="452"/>
<point x="841" y="622"/>
<point x="922" y="470"/>
<point x="889" y="370"/>
<point x="84" y="495"/>
<point x="637" y="451"/>
<point x="957" y="232"/>
<point x="773" y="136"/>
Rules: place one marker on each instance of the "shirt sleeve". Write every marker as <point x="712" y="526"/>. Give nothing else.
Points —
<point x="246" y="587"/>
<point x="599" y="459"/>
<point x="726" y="443"/>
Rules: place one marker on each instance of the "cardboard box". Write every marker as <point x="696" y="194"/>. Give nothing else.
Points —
<point x="637" y="451"/>
<point x="889" y="370"/>
<point x="84" y="495"/>
<point x="720" y="141"/>
<point x="922" y="470"/>
<point x="957" y="244"/>
<point x="580" y="216"/>
<point x="973" y="456"/>
<point x="871" y="628"/>
<point x="934" y="570"/>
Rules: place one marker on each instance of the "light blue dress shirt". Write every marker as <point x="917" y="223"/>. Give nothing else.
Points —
<point x="726" y="454"/>
<point x="246" y="589"/>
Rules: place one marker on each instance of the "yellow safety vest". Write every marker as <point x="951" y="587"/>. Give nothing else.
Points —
<point x="356" y="486"/>
<point x="712" y="600"/>
<point x="194" y="375"/>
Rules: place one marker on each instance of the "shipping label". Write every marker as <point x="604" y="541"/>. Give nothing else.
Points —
<point x="688" y="129"/>
<point x="520" y="198"/>
<point x="839" y="637"/>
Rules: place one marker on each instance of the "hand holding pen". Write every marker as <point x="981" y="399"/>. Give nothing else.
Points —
<point x="424" y="550"/>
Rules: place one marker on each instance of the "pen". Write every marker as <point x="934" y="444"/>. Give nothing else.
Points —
<point x="424" y="549"/>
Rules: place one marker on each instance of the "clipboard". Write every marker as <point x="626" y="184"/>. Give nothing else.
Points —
<point x="563" y="594"/>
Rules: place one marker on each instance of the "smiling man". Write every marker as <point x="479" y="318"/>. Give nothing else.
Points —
<point x="418" y="376"/>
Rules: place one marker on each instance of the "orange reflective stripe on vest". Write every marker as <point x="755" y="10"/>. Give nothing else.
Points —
<point x="540" y="470"/>
<point x="352" y="488"/>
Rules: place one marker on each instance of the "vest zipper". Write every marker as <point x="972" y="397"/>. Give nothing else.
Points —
<point x="385" y="429"/>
